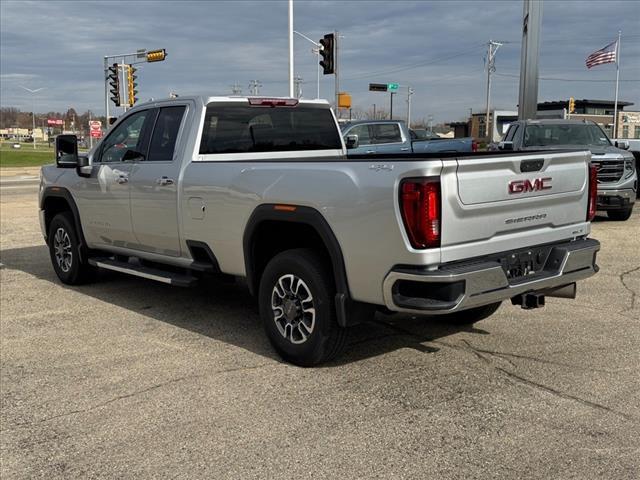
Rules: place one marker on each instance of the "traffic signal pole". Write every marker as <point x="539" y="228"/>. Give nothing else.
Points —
<point x="106" y="91"/>
<point x="336" y="67"/>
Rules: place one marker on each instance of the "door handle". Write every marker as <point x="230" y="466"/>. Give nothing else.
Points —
<point x="122" y="179"/>
<point x="405" y="149"/>
<point x="165" y="181"/>
<point x="370" y="151"/>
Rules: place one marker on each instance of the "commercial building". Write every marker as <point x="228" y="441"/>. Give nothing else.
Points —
<point x="598" y="111"/>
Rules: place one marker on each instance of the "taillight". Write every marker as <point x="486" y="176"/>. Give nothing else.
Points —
<point x="420" y="207"/>
<point x="474" y="146"/>
<point x="593" y="192"/>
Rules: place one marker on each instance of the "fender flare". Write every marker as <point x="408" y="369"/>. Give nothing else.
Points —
<point x="349" y="312"/>
<point x="61" y="192"/>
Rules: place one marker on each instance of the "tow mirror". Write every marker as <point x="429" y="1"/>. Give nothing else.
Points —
<point x="505" y="145"/>
<point x="622" y="144"/>
<point x="351" y="141"/>
<point x="66" y="151"/>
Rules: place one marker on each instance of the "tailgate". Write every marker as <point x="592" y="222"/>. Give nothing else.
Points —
<point x="497" y="203"/>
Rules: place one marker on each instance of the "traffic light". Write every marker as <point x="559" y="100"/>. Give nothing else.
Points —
<point x="328" y="48"/>
<point x="572" y="105"/>
<point x="114" y="83"/>
<point x="132" y="86"/>
<point x="156" y="55"/>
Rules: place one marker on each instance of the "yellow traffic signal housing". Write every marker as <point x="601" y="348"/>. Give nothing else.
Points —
<point x="344" y="100"/>
<point x="132" y="86"/>
<point x="156" y="55"/>
<point x="572" y="105"/>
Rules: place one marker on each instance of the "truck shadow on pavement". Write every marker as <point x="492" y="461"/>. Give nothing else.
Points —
<point x="227" y="312"/>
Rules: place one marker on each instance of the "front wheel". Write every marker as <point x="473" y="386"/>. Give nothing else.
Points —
<point x="64" y="250"/>
<point x="296" y="301"/>
<point x="620" y="215"/>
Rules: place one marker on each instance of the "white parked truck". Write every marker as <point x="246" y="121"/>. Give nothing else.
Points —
<point x="264" y="188"/>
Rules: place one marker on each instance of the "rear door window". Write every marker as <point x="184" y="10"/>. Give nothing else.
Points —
<point x="165" y="133"/>
<point x="244" y="129"/>
<point x="386" y="133"/>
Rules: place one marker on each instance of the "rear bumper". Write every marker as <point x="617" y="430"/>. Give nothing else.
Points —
<point x="479" y="282"/>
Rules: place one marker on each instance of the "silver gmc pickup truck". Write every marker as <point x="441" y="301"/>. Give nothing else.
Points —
<point x="264" y="188"/>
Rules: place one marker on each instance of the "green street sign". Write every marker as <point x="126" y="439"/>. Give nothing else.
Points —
<point x="392" y="87"/>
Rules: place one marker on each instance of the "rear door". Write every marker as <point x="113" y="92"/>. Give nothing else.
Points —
<point x="154" y="186"/>
<point x="495" y="203"/>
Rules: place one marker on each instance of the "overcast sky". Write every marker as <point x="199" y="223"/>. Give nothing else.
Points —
<point x="437" y="48"/>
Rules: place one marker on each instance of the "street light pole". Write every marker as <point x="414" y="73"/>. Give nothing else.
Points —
<point x="33" y="112"/>
<point x="317" y="51"/>
<point x="291" y="48"/>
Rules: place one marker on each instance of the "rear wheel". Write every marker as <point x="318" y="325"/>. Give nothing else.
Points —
<point x="296" y="300"/>
<point x="64" y="250"/>
<point x="620" y="215"/>
<point x="471" y="316"/>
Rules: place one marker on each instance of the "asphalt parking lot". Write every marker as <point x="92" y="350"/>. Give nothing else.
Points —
<point x="128" y="378"/>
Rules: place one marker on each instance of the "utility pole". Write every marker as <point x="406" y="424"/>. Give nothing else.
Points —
<point x="254" y="87"/>
<point x="236" y="89"/>
<point x="410" y="92"/>
<point x="297" y="81"/>
<point x="336" y="42"/>
<point x="531" y="23"/>
<point x="290" y="48"/>
<point x="491" y="67"/>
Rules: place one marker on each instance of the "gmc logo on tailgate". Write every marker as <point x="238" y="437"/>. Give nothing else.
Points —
<point x="524" y="186"/>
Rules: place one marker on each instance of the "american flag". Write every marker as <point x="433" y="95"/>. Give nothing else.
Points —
<point x="604" y="55"/>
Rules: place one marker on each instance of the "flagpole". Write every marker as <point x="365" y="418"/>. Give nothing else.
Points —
<point x="615" y="105"/>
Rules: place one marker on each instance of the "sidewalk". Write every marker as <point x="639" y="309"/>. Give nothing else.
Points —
<point x="12" y="178"/>
<point x="16" y="173"/>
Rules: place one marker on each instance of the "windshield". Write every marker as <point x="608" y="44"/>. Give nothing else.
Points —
<point x="565" y="134"/>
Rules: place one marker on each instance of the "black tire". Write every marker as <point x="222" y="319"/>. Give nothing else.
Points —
<point x="68" y="266"/>
<point x="288" y="322"/>
<point x="471" y="316"/>
<point x="620" y="215"/>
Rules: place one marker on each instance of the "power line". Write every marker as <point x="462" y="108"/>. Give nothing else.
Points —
<point x="401" y="68"/>
<point x="513" y="75"/>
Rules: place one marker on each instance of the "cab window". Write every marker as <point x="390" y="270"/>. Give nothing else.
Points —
<point x="128" y="135"/>
<point x="165" y="134"/>
<point x="511" y="133"/>
<point x="386" y="133"/>
<point x="363" y="134"/>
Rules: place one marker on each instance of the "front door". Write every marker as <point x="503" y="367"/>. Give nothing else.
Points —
<point x="154" y="187"/>
<point x="365" y="142"/>
<point x="103" y="199"/>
